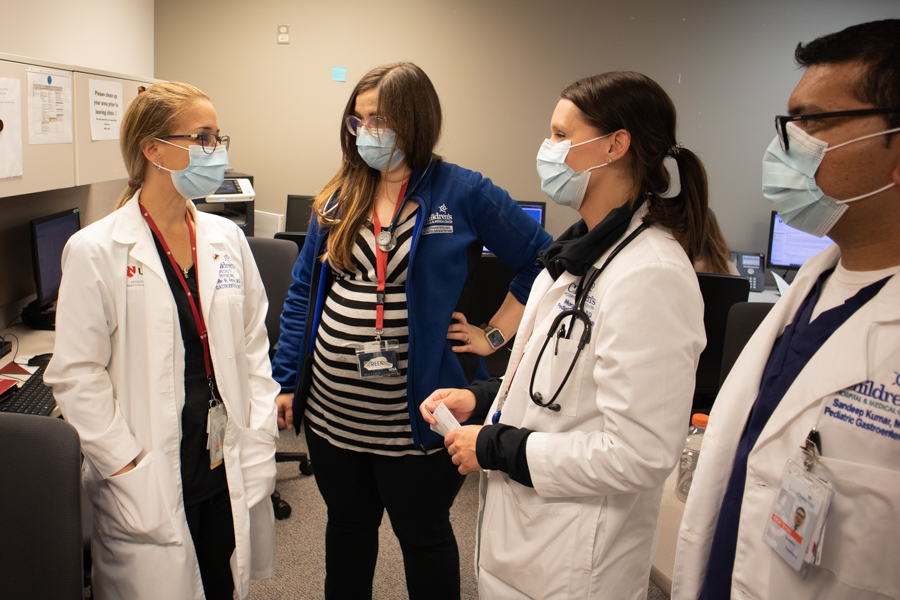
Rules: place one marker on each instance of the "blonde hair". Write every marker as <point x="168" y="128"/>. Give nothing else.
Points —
<point x="152" y="114"/>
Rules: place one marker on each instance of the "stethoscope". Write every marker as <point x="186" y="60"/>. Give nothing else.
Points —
<point x="576" y="313"/>
<point x="386" y="240"/>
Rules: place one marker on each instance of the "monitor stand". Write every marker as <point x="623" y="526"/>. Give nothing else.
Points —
<point x="40" y="318"/>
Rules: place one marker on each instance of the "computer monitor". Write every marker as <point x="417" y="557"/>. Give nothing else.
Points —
<point x="48" y="238"/>
<point x="298" y="213"/>
<point x="535" y="210"/>
<point x="789" y="248"/>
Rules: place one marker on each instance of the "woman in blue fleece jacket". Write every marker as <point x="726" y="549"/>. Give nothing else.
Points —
<point x="367" y="328"/>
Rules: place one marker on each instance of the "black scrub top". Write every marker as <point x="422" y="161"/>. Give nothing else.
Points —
<point x="199" y="482"/>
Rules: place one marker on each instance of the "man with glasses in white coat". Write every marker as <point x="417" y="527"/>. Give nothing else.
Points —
<point x="810" y="415"/>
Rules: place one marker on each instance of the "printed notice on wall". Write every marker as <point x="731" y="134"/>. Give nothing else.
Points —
<point x="10" y="128"/>
<point x="106" y="109"/>
<point x="49" y="106"/>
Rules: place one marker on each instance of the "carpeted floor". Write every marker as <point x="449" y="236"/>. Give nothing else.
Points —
<point x="300" y="542"/>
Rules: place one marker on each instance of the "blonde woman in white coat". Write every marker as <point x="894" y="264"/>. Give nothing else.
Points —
<point x="577" y="462"/>
<point x="131" y="371"/>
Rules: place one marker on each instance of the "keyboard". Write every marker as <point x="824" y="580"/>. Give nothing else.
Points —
<point x="31" y="398"/>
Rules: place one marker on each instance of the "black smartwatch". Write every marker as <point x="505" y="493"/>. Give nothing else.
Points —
<point x="494" y="336"/>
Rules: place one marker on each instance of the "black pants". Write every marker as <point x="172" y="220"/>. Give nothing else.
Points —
<point x="417" y="492"/>
<point x="212" y="530"/>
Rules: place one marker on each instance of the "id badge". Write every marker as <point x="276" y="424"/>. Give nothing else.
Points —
<point x="796" y="524"/>
<point x="216" y="421"/>
<point x="380" y="358"/>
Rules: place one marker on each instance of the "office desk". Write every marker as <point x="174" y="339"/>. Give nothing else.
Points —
<point x="31" y="343"/>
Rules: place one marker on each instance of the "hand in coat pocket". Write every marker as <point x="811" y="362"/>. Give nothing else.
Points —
<point x="132" y="506"/>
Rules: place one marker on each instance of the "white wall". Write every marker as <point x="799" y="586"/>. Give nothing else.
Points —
<point x="110" y="35"/>
<point x="498" y="66"/>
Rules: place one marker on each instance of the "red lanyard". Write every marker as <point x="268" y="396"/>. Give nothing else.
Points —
<point x="381" y="258"/>
<point x="198" y="316"/>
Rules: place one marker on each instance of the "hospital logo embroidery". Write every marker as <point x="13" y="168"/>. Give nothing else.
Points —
<point x="135" y="276"/>
<point x="439" y="222"/>
<point x="870" y="406"/>
<point x="228" y="275"/>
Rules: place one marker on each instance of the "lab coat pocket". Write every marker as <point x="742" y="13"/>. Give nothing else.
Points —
<point x="229" y="317"/>
<point x="558" y="357"/>
<point x="132" y="506"/>
<point x="257" y="464"/>
<point x="530" y="544"/>
<point x="858" y="534"/>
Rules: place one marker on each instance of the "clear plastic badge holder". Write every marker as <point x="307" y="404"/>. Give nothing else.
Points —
<point x="380" y="358"/>
<point x="795" y="526"/>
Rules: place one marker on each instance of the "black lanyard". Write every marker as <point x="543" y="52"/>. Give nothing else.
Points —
<point x="576" y="313"/>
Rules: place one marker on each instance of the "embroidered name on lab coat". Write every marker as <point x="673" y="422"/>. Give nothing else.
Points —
<point x="228" y="277"/>
<point x="871" y="406"/>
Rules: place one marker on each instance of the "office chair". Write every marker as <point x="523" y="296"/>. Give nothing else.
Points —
<point x="275" y="260"/>
<point x="480" y="300"/>
<point x="297" y="237"/>
<point x="720" y="293"/>
<point x="40" y="503"/>
<point x="743" y="320"/>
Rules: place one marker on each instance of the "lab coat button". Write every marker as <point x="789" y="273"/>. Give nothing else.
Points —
<point x="229" y="442"/>
<point x="236" y="495"/>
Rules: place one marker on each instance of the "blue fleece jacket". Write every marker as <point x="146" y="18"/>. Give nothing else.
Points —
<point x="459" y="210"/>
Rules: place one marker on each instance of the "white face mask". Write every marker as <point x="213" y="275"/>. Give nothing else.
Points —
<point x="789" y="183"/>
<point x="558" y="180"/>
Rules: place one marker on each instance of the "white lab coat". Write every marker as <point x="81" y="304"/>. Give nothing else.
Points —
<point x="862" y="539"/>
<point x="118" y="375"/>
<point x="588" y="527"/>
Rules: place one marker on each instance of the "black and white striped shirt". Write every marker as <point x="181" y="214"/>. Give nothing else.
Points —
<point x="367" y="415"/>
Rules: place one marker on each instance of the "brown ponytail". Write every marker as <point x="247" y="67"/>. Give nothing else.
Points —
<point x="634" y="102"/>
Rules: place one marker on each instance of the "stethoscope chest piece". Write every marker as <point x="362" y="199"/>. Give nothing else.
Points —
<point x="386" y="241"/>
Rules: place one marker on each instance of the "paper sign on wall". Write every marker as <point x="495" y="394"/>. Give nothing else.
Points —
<point x="11" y="133"/>
<point x="106" y="106"/>
<point x="49" y="106"/>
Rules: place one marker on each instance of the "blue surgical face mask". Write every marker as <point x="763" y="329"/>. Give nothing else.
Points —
<point x="376" y="151"/>
<point x="558" y="180"/>
<point x="203" y="176"/>
<point x="789" y="182"/>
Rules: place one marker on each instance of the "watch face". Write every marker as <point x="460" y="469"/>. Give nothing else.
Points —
<point x="495" y="337"/>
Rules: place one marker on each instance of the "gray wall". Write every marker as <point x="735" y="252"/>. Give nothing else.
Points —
<point x="499" y="66"/>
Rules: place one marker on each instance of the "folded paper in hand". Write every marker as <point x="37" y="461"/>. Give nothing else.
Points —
<point x="446" y="422"/>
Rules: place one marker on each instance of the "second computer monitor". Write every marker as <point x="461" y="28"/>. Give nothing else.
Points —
<point x="536" y="210"/>
<point x="48" y="238"/>
<point x="789" y="248"/>
<point x="298" y="213"/>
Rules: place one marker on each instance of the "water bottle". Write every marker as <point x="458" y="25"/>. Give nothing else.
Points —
<point x="690" y="456"/>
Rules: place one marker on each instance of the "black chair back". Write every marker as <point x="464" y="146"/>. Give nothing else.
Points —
<point x="41" y="548"/>
<point x="743" y="319"/>
<point x="720" y="293"/>
<point x="275" y="260"/>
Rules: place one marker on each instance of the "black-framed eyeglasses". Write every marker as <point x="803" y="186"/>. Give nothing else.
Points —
<point x="781" y="121"/>
<point x="374" y="125"/>
<point x="208" y="141"/>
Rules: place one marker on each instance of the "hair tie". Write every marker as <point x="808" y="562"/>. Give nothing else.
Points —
<point x="675" y="150"/>
<point x="133" y="185"/>
<point x="671" y="167"/>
